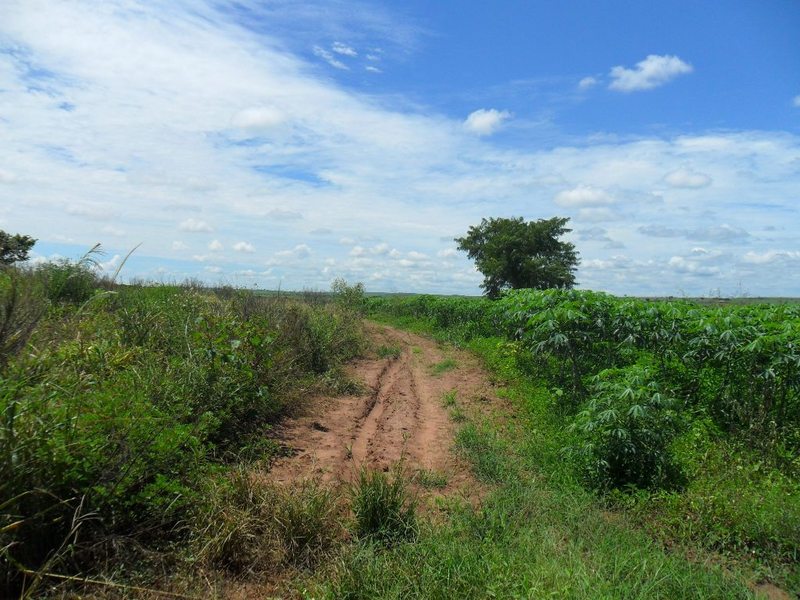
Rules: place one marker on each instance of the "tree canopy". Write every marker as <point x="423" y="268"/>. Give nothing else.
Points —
<point x="14" y="248"/>
<point x="514" y="253"/>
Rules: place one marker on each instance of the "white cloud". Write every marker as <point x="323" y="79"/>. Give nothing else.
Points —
<point x="486" y="121"/>
<point x="380" y="249"/>
<point x="213" y="269"/>
<point x="243" y="247"/>
<point x="414" y="255"/>
<point x="372" y="69"/>
<point x="179" y="246"/>
<point x="195" y="226"/>
<point x="115" y="231"/>
<point x="796" y="101"/>
<point x="7" y="176"/>
<point x="687" y="178"/>
<point x="358" y="251"/>
<point x="649" y="73"/>
<point x="691" y="267"/>
<point x="299" y="251"/>
<point x="329" y="58"/>
<point x="258" y="118"/>
<point x="583" y="195"/>
<point x="215" y="246"/>
<point x="344" y="49"/>
<point x="447" y="253"/>
<point x="587" y="82"/>
<point x="770" y="256"/>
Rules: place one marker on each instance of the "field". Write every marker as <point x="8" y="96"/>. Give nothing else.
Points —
<point x="220" y="443"/>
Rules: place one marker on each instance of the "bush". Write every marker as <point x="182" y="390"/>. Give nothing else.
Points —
<point x="625" y="430"/>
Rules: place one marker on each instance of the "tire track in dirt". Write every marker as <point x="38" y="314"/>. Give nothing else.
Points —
<point x="400" y="416"/>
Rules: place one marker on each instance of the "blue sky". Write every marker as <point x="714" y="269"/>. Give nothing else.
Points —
<point x="277" y="143"/>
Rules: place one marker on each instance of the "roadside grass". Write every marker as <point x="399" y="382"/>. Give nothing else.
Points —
<point x="448" y="364"/>
<point x="430" y="479"/>
<point x="449" y="398"/>
<point x="389" y="351"/>
<point x="539" y="532"/>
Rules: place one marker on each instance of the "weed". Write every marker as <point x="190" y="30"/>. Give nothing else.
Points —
<point x="389" y="352"/>
<point x="384" y="511"/>
<point x="430" y="479"/>
<point x="448" y="364"/>
<point x="457" y="415"/>
<point x="449" y="398"/>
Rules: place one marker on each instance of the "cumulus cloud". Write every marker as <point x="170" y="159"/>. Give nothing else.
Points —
<point x="447" y="253"/>
<point x="652" y="72"/>
<point x="486" y="121"/>
<point x="587" y="82"/>
<point x="583" y="195"/>
<point x="372" y="69"/>
<point x="796" y="101"/>
<point x="7" y="176"/>
<point x="177" y="245"/>
<point x="215" y="245"/>
<point x="258" y="118"/>
<point x="193" y="225"/>
<point x="687" y="178"/>
<point x="243" y="247"/>
<point x="691" y="267"/>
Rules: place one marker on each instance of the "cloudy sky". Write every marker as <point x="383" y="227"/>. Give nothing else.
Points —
<point x="276" y="143"/>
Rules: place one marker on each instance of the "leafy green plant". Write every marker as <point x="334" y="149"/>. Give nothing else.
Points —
<point x="625" y="430"/>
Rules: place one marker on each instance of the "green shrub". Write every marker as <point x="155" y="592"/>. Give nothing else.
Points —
<point x="625" y="430"/>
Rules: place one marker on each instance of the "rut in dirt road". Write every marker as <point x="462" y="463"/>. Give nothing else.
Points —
<point x="401" y="416"/>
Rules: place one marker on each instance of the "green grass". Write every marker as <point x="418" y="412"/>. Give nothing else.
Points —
<point x="430" y="479"/>
<point x="539" y="532"/>
<point x="449" y="398"/>
<point x="448" y="364"/>
<point x="389" y="351"/>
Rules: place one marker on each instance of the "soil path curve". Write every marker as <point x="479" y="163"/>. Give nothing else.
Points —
<point x="413" y="390"/>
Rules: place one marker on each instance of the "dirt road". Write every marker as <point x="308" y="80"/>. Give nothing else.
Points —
<point x="413" y="390"/>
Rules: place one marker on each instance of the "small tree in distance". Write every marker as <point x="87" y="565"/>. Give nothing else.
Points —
<point x="514" y="253"/>
<point x="14" y="248"/>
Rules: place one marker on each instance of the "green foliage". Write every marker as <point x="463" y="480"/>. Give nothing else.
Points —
<point x="513" y="253"/>
<point x="118" y="408"/>
<point x="714" y="441"/>
<point x="625" y="431"/>
<point x="14" y="248"/>
<point x="349" y="296"/>
<point x="382" y="507"/>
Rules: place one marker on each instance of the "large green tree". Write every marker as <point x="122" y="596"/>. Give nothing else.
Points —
<point x="14" y="248"/>
<point x="514" y="253"/>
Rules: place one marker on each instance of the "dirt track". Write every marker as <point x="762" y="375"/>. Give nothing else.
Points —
<point x="401" y="415"/>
